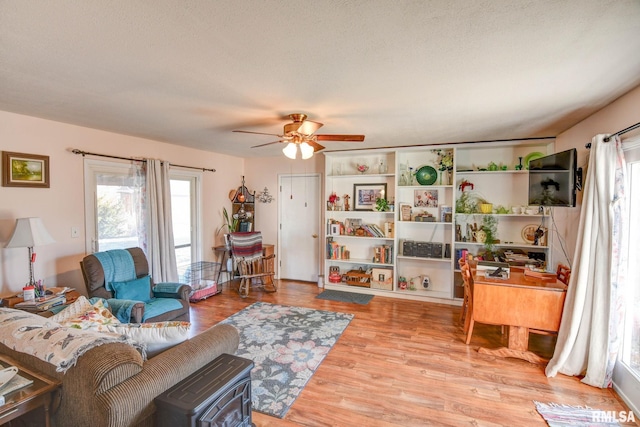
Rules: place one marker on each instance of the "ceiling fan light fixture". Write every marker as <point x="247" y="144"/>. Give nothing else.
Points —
<point x="306" y="150"/>
<point x="291" y="150"/>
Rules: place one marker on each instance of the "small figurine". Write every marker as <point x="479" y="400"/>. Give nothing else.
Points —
<point x="346" y="202"/>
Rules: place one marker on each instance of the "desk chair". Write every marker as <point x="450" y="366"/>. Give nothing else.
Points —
<point x="252" y="265"/>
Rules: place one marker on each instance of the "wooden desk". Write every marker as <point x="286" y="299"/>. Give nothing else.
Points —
<point x="30" y="397"/>
<point x="522" y="303"/>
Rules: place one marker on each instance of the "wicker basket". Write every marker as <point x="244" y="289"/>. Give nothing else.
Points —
<point x="358" y="278"/>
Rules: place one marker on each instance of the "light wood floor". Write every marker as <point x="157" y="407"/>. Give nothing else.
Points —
<point x="404" y="363"/>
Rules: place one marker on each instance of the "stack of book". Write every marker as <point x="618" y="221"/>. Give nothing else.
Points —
<point x="42" y="304"/>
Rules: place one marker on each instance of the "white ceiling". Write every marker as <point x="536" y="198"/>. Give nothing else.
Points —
<point x="401" y="72"/>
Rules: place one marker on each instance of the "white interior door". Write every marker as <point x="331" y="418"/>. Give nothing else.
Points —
<point x="299" y="231"/>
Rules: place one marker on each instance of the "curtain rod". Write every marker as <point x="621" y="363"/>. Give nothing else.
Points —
<point x="133" y="159"/>
<point x="620" y="132"/>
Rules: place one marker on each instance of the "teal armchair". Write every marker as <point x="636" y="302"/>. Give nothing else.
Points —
<point x="122" y="277"/>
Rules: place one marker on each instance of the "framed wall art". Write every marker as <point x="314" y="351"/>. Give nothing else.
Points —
<point x="425" y="199"/>
<point x="25" y="170"/>
<point x="365" y="195"/>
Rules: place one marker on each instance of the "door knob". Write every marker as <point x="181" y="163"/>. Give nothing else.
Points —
<point x="314" y="235"/>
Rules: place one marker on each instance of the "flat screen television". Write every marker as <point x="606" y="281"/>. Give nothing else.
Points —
<point x="552" y="179"/>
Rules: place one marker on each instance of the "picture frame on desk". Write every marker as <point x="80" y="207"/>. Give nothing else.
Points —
<point x="365" y="195"/>
<point x="25" y="170"/>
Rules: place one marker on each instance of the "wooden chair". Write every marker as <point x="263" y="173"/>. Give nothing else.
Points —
<point x="563" y="273"/>
<point x="252" y="265"/>
<point x="468" y="284"/>
<point x="465" y="299"/>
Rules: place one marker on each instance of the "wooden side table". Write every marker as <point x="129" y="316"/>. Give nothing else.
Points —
<point x="36" y="395"/>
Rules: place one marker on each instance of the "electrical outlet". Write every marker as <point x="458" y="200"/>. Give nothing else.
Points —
<point x="75" y="232"/>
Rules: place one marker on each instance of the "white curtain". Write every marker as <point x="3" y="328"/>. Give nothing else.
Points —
<point x="161" y="249"/>
<point x="590" y="332"/>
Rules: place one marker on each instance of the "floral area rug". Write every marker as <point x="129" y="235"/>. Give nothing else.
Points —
<point x="286" y="344"/>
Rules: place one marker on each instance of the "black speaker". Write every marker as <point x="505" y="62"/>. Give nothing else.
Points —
<point x="408" y="248"/>
<point x="447" y="250"/>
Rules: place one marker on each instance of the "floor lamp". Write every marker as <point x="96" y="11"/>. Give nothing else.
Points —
<point x="30" y="232"/>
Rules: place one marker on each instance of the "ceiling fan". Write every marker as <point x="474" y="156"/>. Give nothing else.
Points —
<point x="301" y="133"/>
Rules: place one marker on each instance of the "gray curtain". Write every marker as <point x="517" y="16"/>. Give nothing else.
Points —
<point x="161" y="248"/>
<point x="591" y="329"/>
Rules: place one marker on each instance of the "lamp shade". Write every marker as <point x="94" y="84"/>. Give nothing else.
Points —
<point x="306" y="150"/>
<point x="291" y="150"/>
<point x="29" y="232"/>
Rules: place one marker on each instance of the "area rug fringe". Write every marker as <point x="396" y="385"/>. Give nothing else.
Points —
<point x="557" y="415"/>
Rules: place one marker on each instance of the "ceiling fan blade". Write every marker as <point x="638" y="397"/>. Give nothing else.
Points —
<point x="268" y="143"/>
<point x="316" y="147"/>
<point x="349" y="138"/>
<point x="257" y="133"/>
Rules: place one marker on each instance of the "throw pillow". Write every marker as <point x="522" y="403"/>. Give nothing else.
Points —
<point x="73" y="310"/>
<point x="157" y="337"/>
<point x="96" y="318"/>
<point x="136" y="290"/>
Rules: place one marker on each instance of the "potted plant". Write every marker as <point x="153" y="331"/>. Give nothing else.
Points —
<point x="382" y="204"/>
<point x="230" y="223"/>
<point x="490" y="228"/>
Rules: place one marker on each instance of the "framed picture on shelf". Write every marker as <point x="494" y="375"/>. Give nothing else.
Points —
<point x="425" y="198"/>
<point x="405" y="212"/>
<point x="365" y="195"/>
<point x="25" y="170"/>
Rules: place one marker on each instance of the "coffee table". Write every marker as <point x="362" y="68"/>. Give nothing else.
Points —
<point x="38" y="394"/>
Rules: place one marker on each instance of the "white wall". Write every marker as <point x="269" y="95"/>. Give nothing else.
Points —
<point x="620" y="114"/>
<point x="62" y="205"/>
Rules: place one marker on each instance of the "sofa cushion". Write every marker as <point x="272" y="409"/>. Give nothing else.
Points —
<point x="94" y="317"/>
<point x="136" y="290"/>
<point x="158" y="306"/>
<point x="157" y="337"/>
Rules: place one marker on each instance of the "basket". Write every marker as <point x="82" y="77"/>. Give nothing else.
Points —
<point x="358" y="278"/>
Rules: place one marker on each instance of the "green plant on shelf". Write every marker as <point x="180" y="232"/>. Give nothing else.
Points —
<point x="382" y="205"/>
<point x="490" y="227"/>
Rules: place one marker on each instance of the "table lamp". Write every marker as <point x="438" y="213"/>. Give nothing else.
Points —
<point x="30" y="232"/>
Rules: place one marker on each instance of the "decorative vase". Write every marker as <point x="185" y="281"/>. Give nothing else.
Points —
<point x="445" y="177"/>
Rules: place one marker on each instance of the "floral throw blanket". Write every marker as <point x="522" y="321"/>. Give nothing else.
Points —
<point x="35" y="335"/>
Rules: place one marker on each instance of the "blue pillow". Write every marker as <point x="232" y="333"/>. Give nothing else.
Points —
<point x="137" y="289"/>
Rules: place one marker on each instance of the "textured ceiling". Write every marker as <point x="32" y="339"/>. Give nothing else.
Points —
<point x="400" y="72"/>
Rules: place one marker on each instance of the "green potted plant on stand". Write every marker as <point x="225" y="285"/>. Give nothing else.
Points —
<point x="230" y="223"/>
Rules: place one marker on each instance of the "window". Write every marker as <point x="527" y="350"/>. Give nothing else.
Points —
<point x="626" y="375"/>
<point x="184" y="213"/>
<point x="115" y="218"/>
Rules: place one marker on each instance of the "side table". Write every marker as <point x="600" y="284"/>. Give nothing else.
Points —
<point x="223" y="253"/>
<point x="11" y="302"/>
<point x="36" y="395"/>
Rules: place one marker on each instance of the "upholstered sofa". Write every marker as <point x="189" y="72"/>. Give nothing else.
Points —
<point x="111" y="384"/>
<point x="169" y="301"/>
